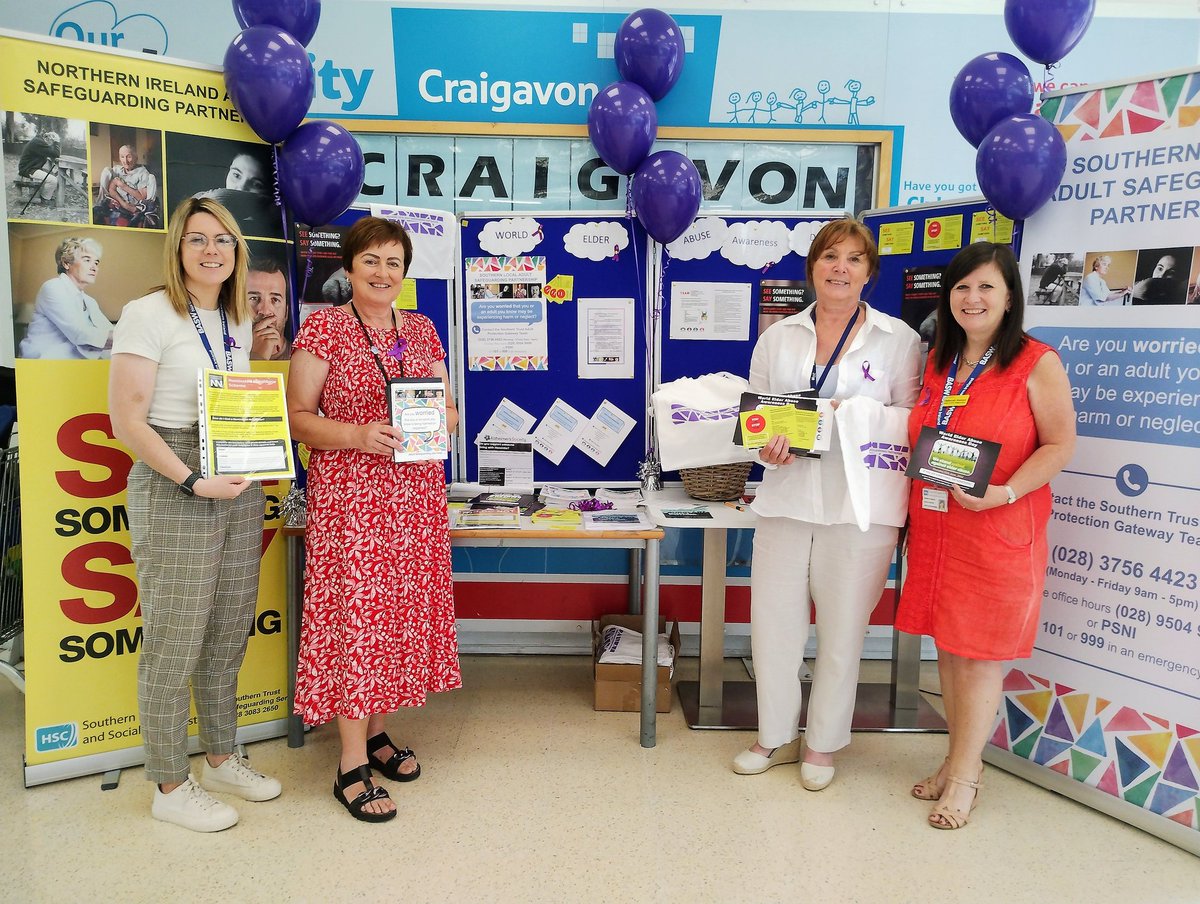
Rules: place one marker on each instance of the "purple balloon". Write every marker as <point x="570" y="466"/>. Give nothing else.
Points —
<point x="986" y="90"/>
<point x="649" y="51"/>
<point x="297" y="17"/>
<point x="1047" y="31"/>
<point x="320" y="171"/>
<point x="270" y="80"/>
<point x="666" y="195"/>
<point x="622" y="123"/>
<point x="1020" y="163"/>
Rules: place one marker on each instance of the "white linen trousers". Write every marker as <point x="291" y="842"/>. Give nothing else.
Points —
<point x="846" y="570"/>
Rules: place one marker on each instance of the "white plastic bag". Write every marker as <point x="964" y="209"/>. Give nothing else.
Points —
<point x="694" y="419"/>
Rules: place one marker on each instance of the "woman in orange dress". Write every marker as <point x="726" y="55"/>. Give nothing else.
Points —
<point x="976" y="566"/>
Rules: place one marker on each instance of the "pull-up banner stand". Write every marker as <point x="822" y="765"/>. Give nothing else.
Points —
<point x="1107" y="711"/>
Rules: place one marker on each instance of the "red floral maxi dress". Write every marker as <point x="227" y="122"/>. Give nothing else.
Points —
<point x="378" y="628"/>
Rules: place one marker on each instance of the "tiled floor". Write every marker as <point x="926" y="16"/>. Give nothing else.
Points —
<point x="529" y="795"/>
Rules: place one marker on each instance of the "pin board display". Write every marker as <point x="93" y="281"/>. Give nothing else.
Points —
<point x="915" y="245"/>
<point x="725" y="280"/>
<point x="321" y="280"/>
<point x="552" y="310"/>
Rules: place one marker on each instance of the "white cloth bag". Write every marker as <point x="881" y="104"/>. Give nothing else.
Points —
<point x="694" y="419"/>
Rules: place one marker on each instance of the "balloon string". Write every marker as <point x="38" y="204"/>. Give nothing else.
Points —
<point x="629" y="197"/>
<point x="293" y="298"/>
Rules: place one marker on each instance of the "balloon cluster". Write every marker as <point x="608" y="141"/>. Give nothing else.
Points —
<point x="623" y="123"/>
<point x="270" y="80"/>
<point x="1020" y="157"/>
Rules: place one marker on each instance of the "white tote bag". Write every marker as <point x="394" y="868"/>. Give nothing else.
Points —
<point x="694" y="418"/>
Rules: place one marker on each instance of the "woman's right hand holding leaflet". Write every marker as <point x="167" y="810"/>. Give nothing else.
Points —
<point x="776" y="451"/>
<point x="376" y="439"/>
<point x="221" y="487"/>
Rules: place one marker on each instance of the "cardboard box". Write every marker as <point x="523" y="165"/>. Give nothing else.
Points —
<point x="618" y="688"/>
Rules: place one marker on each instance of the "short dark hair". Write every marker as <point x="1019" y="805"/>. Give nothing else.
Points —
<point x="839" y="231"/>
<point x="266" y="263"/>
<point x="369" y="232"/>
<point x="1010" y="337"/>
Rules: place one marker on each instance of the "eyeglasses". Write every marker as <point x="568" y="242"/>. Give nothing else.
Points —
<point x="198" y="241"/>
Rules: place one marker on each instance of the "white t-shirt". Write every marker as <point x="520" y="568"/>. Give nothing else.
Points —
<point x="150" y="328"/>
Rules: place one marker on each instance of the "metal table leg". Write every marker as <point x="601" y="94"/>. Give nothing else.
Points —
<point x="295" y="610"/>
<point x="650" y="564"/>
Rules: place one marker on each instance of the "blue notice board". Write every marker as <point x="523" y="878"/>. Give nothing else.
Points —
<point x="930" y="225"/>
<point x="767" y="279"/>
<point x="557" y="242"/>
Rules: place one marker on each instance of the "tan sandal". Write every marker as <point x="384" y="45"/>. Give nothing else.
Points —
<point x="928" y="788"/>
<point x="946" y="817"/>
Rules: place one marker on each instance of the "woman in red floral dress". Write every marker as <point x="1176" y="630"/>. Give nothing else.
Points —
<point x="378" y="629"/>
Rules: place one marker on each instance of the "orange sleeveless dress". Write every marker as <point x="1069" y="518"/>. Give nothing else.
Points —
<point x="974" y="579"/>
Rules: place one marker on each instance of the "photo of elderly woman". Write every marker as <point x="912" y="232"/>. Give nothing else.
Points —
<point x="67" y="322"/>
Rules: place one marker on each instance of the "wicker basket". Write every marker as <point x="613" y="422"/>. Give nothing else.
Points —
<point x="716" y="483"/>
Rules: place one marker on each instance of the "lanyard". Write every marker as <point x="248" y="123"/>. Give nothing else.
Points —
<point x="812" y="379"/>
<point x="374" y="350"/>
<point x="944" y="410"/>
<point x="204" y="338"/>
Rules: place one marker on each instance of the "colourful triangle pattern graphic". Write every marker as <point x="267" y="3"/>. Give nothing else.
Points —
<point x="1166" y="797"/>
<point x="1018" y="720"/>
<point x="1193" y="746"/>
<point x="1145" y="95"/>
<point x="1115" y="127"/>
<point x="1171" y="89"/>
<point x="1193" y="87"/>
<point x="1049" y="749"/>
<point x="1056" y="725"/>
<point x="1131" y="765"/>
<point x="1076" y="705"/>
<point x="1017" y="680"/>
<point x="1068" y="132"/>
<point x="1154" y="746"/>
<point x="1000" y="736"/>
<point x="1126" y="719"/>
<point x="1083" y="765"/>
<point x="1093" y="739"/>
<point x="1182" y="731"/>
<point x="1108" y="781"/>
<point x="1138" y="794"/>
<point x="1024" y="748"/>
<point x="1186" y="818"/>
<point x="1062" y="690"/>
<point x="1158" y="720"/>
<point x="1139" y="123"/>
<point x="1112" y="97"/>
<point x="1101" y="705"/>
<point x="1050" y="109"/>
<point x="1044" y="682"/>
<point x="1069" y="103"/>
<point x="1062" y="766"/>
<point x="1038" y="704"/>
<point x="1188" y="117"/>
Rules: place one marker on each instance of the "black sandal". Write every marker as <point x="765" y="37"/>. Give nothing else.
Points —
<point x="362" y="774"/>
<point x="391" y="767"/>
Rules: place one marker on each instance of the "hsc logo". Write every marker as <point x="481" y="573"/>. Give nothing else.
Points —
<point x="97" y="22"/>
<point x="56" y="737"/>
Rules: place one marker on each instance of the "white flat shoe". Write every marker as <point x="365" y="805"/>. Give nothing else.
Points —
<point x="750" y="763"/>
<point x="814" y="777"/>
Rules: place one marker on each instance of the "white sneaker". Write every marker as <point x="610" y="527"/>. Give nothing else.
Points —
<point x="192" y="807"/>
<point x="234" y="776"/>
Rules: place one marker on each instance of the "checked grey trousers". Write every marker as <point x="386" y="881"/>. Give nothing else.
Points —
<point x="197" y="568"/>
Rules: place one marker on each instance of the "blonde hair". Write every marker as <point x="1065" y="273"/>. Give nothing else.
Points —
<point x="233" y="295"/>
<point x="67" y="253"/>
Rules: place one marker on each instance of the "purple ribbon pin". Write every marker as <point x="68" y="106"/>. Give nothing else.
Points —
<point x="866" y="369"/>
<point x="229" y="342"/>
<point x="397" y="351"/>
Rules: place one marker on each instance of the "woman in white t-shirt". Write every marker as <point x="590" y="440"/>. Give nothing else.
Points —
<point x="196" y="540"/>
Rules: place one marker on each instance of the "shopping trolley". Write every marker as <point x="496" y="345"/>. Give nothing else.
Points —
<point x="11" y="604"/>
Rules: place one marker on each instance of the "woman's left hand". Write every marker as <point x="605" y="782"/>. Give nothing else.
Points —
<point x="993" y="497"/>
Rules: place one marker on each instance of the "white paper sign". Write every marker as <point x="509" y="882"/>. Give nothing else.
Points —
<point x="433" y="234"/>
<point x="605" y="432"/>
<point x="604" y="334"/>
<point x="558" y="431"/>
<point x="710" y="311"/>
<point x="595" y="241"/>
<point x="803" y="235"/>
<point x="701" y="239"/>
<point x="757" y="243"/>
<point x="508" y="419"/>
<point x="510" y="238"/>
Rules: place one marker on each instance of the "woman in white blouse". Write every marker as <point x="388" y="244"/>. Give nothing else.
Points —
<point x="808" y="548"/>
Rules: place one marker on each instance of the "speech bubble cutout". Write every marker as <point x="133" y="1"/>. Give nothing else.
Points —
<point x="420" y="420"/>
<point x="701" y="239"/>
<point x="757" y="243"/>
<point x="597" y="240"/>
<point x="96" y="22"/>
<point x="511" y="237"/>
<point x="804" y="233"/>
<point x="505" y="311"/>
